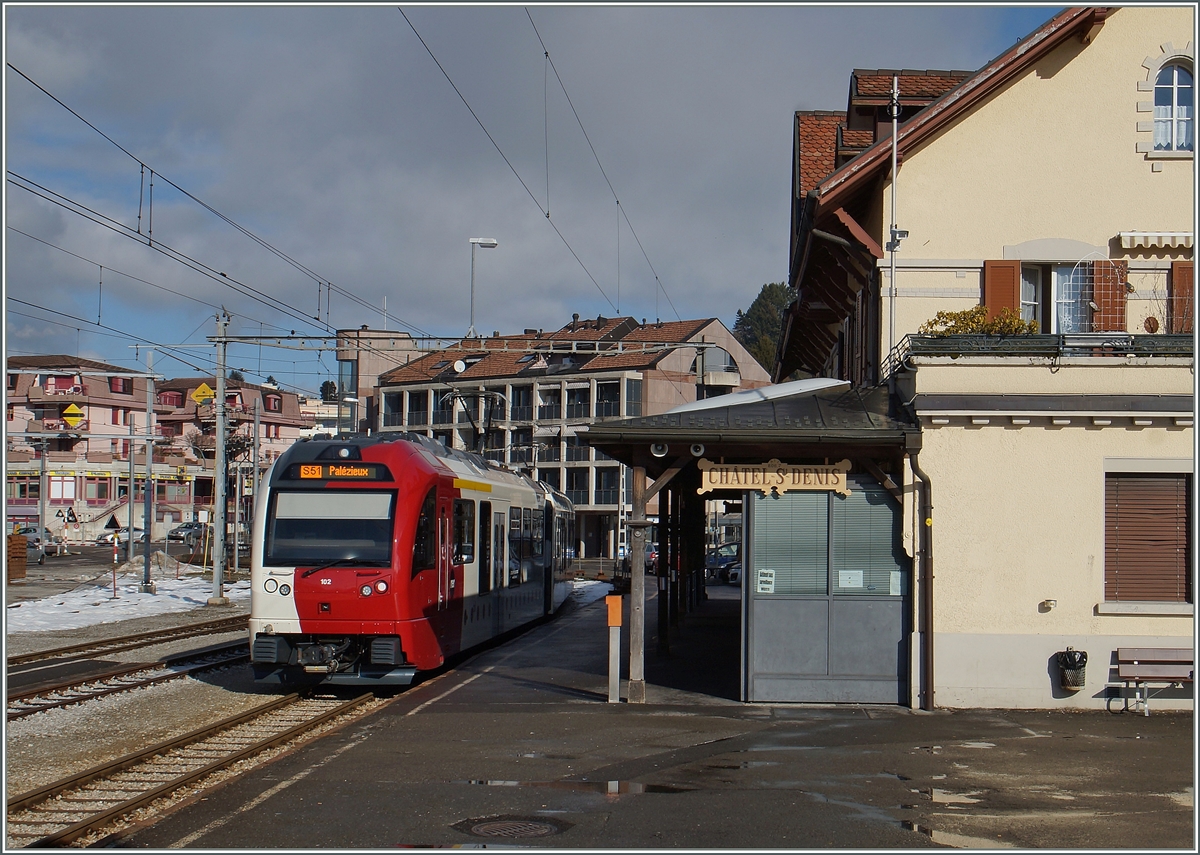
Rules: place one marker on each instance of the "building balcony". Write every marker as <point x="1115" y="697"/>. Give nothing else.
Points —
<point x="1064" y="346"/>
<point x="549" y="412"/>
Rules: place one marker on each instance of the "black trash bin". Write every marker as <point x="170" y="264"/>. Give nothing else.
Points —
<point x="1072" y="666"/>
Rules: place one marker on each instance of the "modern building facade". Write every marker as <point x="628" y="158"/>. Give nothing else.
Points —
<point x="1055" y="186"/>
<point x="524" y="401"/>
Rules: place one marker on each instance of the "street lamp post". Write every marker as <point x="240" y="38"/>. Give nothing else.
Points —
<point x="486" y="243"/>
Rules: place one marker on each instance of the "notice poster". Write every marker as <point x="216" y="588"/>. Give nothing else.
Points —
<point x="894" y="589"/>
<point x="850" y="578"/>
<point x="766" y="581"/>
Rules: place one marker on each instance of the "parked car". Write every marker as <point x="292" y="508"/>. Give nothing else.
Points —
<point x="122" y="533"/>
<point x="189" y="531"/>
<point x="34" y="553"/>
<point x="720" y="558"/>
<point x="31" y="533"/>
<point x="651" y="564"/>
<point x="733" y="574"/>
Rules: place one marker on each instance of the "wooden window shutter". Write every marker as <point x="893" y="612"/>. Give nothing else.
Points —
<point x="1001" y="286"/>
<point x="1108" y="292"/>
<point x="1146" y="543"/>
<point x="1181" y="301"/>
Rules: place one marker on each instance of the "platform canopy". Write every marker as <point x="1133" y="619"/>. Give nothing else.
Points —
<point x="802" y="419"/>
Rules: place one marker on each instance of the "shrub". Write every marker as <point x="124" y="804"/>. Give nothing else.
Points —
<point x="974" y="321"/>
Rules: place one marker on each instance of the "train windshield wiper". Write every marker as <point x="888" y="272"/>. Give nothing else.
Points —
<point x="356" y="562"/>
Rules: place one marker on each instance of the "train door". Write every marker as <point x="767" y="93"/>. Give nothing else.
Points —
<point x="444" y="541"/>
<point x="549" y="565"/>
<point x="498" y="564"/>
<point x="484" y="565"/>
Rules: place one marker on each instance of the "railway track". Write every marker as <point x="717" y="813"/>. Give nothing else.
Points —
<point x="65" y="811"/>
<point x="121" y="679"/>
<point x="131" y="642"/>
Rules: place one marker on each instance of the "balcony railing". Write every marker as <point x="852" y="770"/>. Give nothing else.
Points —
<point x="578" y="497"/>
<point x="521" y="413"/>
<point x="607" y="497"/>
<point x="1072" y="345"/>
<point x="443" y="417"/>
<point x="579" y="411"/>
<point x="607" y="408"/>
<point x="578" y="452"/>
<point x="550" y="411"/>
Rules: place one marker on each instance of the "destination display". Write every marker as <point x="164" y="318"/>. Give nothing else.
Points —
<point x="356" y="471"/>
<point x="774" y="476"/>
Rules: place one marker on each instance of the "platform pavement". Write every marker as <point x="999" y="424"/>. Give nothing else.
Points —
<point x="521" y="739"/>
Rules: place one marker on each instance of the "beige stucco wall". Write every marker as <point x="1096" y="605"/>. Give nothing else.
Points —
<point x="1052" y="155"/>
<point x="1042" y="376"/>
<point x="1019" y="519"/>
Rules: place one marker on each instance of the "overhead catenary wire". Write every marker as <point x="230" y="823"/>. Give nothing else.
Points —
<point x="503" y="156"/>
<point x="158" y="246"/>
<point x="546" y="51"/>
<point x="224" y="218"/>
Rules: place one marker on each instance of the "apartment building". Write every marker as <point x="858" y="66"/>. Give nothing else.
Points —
<point x="524" y="401"/>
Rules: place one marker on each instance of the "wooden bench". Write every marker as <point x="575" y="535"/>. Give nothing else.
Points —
<point x="1144" y="666"/>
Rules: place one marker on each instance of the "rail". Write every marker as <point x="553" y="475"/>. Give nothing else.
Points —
<point x="81" y="688"/>
<point x="131" y="642"/>
<point x="88" y="801"/>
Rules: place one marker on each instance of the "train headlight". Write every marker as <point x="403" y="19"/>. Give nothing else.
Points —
<point x="365" y="590"/>
<point x="285" y="589"/>
<point x="271" y="586"/>
<point x="381" y="586"/>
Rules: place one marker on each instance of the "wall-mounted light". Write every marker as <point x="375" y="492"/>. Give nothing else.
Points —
<point x="1047" y="605"/>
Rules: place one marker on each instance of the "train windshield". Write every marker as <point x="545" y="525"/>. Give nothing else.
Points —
<point x="315" y="527"/>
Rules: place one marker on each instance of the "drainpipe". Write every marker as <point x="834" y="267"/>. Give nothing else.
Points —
<point x="926" y="570"/>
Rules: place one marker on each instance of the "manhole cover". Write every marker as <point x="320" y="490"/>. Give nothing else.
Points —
<point x="511" y="826"/>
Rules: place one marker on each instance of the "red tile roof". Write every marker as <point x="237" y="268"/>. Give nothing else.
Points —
<point x="873" y="85"/>
<point x="816" y="146"/>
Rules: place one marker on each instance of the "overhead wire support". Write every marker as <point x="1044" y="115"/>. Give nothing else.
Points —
<point x="503" y="156"/>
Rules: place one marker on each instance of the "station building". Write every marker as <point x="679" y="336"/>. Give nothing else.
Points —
<point x="1006" y="496"/>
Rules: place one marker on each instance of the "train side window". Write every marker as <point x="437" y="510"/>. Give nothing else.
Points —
<point x="425" y="539"/>
<point x="514" y="547"/>
<point x="464" y="531"/>
<point x="485" y="547"/>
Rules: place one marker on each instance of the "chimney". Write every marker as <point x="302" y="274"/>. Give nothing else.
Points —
<point x="574" y="321"/>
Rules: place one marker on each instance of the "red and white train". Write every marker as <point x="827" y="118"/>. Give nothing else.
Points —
<point x="375" y="558"/>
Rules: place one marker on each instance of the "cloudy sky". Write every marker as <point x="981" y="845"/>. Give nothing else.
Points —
<point x="331" y="135"/>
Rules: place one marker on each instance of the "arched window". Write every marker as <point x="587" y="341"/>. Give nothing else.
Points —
<point x="1173" y="107"/>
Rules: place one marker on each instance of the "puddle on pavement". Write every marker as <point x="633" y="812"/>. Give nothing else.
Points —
<point x="945" y="797"/>
<point x="957" y="841"/>
<point x="612" y="788"/>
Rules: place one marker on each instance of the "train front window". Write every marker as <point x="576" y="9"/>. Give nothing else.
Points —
<point x="306" y="528"/>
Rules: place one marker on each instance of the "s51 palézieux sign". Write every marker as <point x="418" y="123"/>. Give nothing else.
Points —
<point x="774" y="476"/>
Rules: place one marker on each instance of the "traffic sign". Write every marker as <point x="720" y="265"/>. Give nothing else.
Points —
<point x="203" y="393"/>
<point x="72" y="415"/>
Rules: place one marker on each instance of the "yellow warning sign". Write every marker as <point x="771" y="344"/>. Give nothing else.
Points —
<point x="203" y="393"/>
<point x="72" y="415"/>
